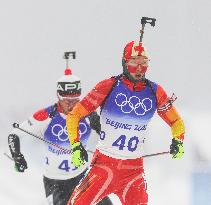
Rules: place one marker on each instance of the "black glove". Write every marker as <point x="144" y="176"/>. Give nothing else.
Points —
<point x="94" y="119"/>
<point x="14" y="146"/>
<point x="20" y="162"/>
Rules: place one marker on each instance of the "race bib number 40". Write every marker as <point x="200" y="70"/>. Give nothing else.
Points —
<point x="123" y="142"/>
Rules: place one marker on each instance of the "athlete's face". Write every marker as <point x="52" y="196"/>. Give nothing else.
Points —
<point x="137" y="66"/>
<point x="67" y="104"/>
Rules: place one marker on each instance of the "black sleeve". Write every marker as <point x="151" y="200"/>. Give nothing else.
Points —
<point x="94" y="119"/>
<point x="14" y="144"/>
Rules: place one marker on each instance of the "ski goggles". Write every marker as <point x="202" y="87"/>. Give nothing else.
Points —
<point x="134" y="64"/>
<point x="138" y="62"/>
<point x="132" y="69"/>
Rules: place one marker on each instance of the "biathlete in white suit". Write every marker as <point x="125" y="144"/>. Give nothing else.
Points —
<point x="60" y="175"/>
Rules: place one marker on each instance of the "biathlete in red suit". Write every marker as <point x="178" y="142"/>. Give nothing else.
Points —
<point x="128" y="102"/>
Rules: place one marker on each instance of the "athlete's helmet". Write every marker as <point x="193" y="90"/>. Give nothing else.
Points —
<point x="68" y="85"/>
<point x="133" y="49"/>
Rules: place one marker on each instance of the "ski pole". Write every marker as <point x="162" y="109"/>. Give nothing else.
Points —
<point x="16" y="125"/>
<point x="144" y="21"/>
<point x="67" y="57"/>
<point x="144" y="156"/>
<point x="155" y="154"/>
<point x="5" y="154"/>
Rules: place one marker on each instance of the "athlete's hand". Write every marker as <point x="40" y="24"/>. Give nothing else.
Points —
<point x="20" y="162"/>
<point x="176" y="149"/>
<point x="79" y="154"/>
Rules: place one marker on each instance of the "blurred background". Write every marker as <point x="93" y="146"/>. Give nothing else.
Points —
<point x="33" y="37"/>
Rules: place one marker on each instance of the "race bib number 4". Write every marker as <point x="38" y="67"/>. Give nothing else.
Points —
<point x="64" y="165"/>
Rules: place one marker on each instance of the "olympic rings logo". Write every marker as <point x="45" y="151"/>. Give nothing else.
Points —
<point x="58" y="131"/>
<point x="140" y="107"/>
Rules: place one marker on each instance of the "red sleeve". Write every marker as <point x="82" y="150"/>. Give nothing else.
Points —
<point x="97" y="95"/>
<point x="40" y="115"/>
<point x="169" y="114"/>
<point x="162" y="97"/>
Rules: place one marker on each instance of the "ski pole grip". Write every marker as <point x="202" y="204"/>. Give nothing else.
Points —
<point x="15" y="125"/>
<point x="67" y="55"/>
<point x="145" y="20"/>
